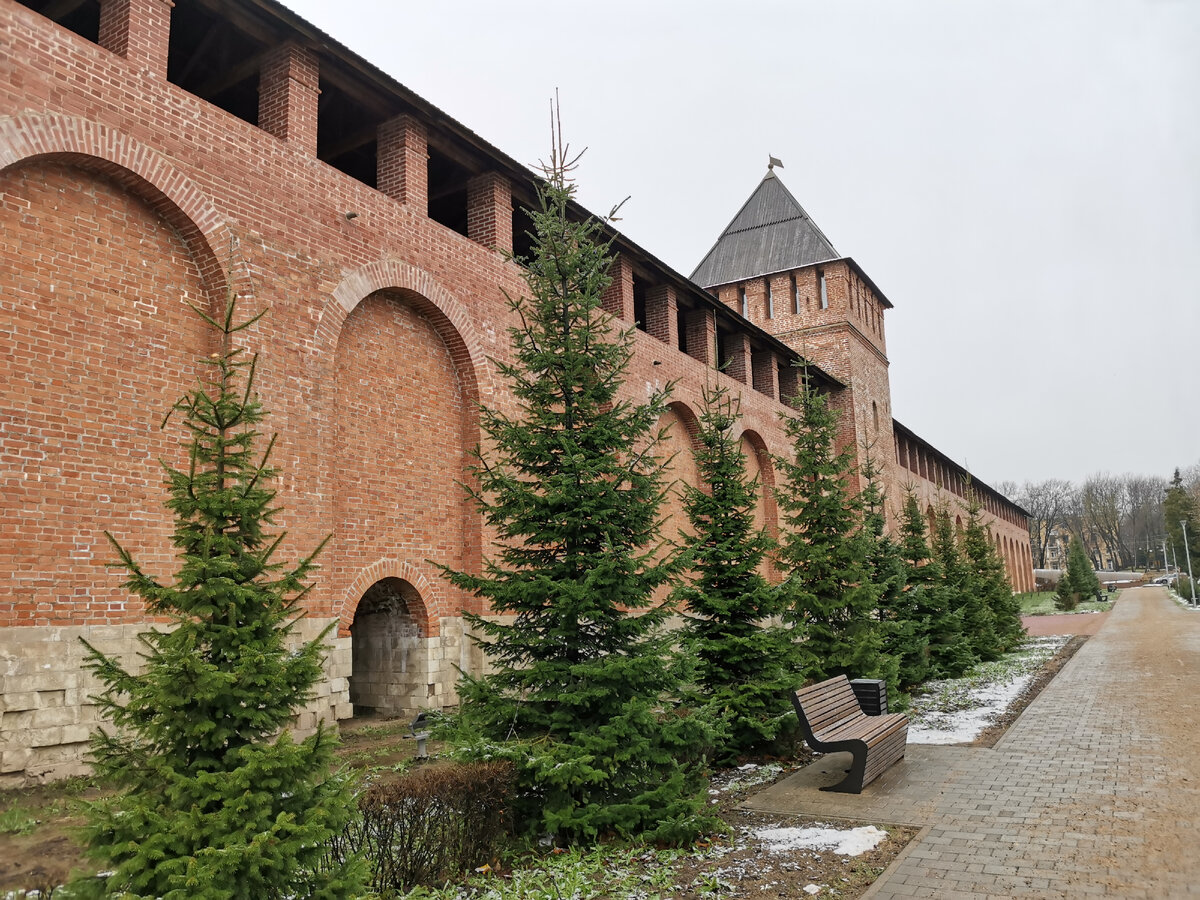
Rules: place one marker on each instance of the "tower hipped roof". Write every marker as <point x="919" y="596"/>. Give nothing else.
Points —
<point x="770" y="233"/>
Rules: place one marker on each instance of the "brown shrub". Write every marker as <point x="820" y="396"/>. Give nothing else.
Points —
<point x="430" y="825"/>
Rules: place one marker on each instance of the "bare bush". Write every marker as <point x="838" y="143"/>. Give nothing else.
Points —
<point x="430" y="825"/>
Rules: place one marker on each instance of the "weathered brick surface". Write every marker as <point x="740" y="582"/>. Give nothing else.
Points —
<point x="123" y="198"/>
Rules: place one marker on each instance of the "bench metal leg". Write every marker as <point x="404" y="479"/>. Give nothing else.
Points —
<point x="853" y="782"/>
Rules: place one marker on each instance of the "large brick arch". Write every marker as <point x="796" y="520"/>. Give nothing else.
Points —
<point x="687" y="417"/>
<point x="766" y="476"/>
<point x="428" y="588"/>
<point x="101" y="342"/>
<point x="411" y="288"/>
<point x="678" y="452"/>
<point x="430" y="298"/>
<point x="92" y="146"/>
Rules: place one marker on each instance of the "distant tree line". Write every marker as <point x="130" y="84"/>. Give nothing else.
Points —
<point x="1124" y="517"/>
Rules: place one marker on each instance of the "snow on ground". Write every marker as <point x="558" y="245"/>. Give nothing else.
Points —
<point x="1185" y="602"/>
<point x="846" y="841"/>
<point x="955" y="712"/>
<point x="746" y="776"/>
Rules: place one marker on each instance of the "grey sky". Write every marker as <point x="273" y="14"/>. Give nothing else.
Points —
<point x="1022" y="179"/>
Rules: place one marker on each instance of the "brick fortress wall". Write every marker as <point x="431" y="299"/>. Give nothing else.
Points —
<point x="123" y="198"/>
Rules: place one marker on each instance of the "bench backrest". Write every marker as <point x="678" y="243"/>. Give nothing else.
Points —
<point x="828" y="702"/>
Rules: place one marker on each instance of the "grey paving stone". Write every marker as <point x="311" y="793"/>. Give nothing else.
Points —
<point x="1071" y="800"/>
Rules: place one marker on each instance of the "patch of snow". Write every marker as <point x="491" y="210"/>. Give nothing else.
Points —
<point x="846" y="841"/>
<point x="965" y="725"/>
<point x="749" y="775"/>
<point x="977" y="702"/>
<point x="813" y="889"/>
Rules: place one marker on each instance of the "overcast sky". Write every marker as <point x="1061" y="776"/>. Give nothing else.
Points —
<point x="1021" y="179"/>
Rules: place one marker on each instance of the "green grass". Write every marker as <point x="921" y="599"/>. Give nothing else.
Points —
<point x="1041" y="603"/>
<point x="603" y="871"/>
<point x="17" y="820"/>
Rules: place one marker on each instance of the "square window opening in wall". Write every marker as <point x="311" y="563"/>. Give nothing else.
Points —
<point x="83" y="18"/>
<point x="214" y="59"/>
<point x="448" y="191"/>
<point x="639" y="303"/>
<point x="722" y="351"/>
<point x="346" y="132"/>
<point x="524" y="238"/>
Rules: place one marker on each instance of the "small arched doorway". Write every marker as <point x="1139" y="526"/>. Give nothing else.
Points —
<point x="388" y="671"/>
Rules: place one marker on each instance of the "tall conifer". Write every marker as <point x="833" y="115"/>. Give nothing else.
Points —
<point x="215" y="801"/>
<point x="950" y="645"/>
<point x="741" y="657"/>
<point x="899" y="631"/>
<point x="570" y="484"/>
<point x="823" y="554"/>
<point x="1081" y="577"/>
<point x="990" y="579"/>
<point x="964" y="589"/>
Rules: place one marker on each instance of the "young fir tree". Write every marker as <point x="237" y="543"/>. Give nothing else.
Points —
<point x="967" y="591"/>
<point x="948" y="651"/>
<point x="990" y="579"/>
<point x="741" y="657"/>
<point x="1081" y="577"/>
<point x="1065" y="599"/>
<point x="571" y="487"/>
<point x="827" y="585"/>
<point x="961" y="596"/>
<point x="899" y="631"/>
<point x="217" y="800"/>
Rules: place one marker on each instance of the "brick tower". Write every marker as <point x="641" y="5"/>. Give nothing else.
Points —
<point x="775" y="266"/>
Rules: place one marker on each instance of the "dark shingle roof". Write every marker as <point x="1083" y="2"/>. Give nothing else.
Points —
<point x="770" y="233"/>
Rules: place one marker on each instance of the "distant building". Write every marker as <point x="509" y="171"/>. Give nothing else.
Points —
<point x="155" y="154"/>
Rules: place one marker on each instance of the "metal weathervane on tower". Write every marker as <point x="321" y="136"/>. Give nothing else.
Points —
<point x="772" y="162"/>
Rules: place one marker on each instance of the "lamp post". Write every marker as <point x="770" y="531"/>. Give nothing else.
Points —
<point x="1187" y="554"/>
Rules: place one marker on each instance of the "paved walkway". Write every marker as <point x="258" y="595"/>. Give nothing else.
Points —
<point x="1094" y="791"/>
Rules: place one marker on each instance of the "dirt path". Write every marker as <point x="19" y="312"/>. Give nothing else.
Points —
<point x="1075" y="623"/>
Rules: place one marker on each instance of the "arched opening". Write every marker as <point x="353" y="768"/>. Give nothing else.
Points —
<point x="762" y="470"/>
<point x="678" y="426"/>
<point x="388" y="671"/>
<point x="404" y="426"/>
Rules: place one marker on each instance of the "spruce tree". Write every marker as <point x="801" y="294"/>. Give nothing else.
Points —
<point x="741" y="656"/>
<point x="823" y="553"/>
<point x="216" y="799"/>
<point x="1179" y="507"/>
<point x="948" y="651"/>
<point x="1081" y="577"/>
<point x="990" y="578"/>
<point x="961" y="598"/>
<point x="1065" y="599"/>
<point x="571" y="487"/>
<point x="899" y="631"/>
<point x="967" y="591"/>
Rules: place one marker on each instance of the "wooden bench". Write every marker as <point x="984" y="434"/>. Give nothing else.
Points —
<point x="832" y="721"/>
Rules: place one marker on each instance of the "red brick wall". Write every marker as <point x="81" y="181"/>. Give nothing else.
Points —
<point x="96" y="343"/>
<point x="193" y="198"/>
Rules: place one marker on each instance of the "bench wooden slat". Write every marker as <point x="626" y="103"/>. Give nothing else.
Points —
<point x="832" y="720"/>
